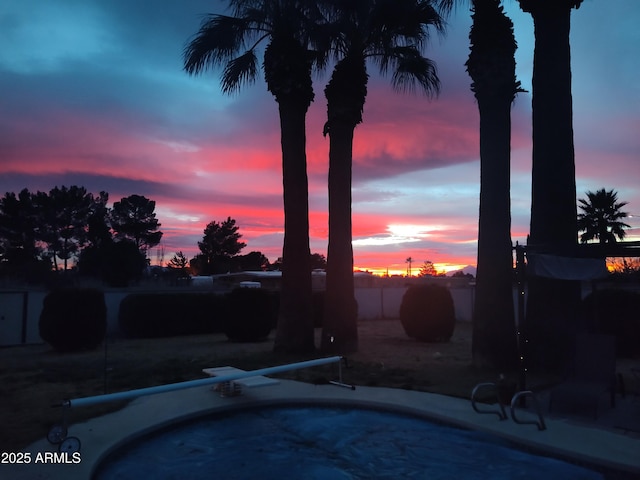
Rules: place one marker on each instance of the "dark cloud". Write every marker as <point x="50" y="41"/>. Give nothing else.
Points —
<point x="117" y="187"/>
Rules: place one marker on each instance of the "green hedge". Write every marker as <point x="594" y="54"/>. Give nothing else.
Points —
<point x="427" y="313"/>
<point x="73" y="319"/>
<point x="149" y="315"/>
<point x="243" y="314"/>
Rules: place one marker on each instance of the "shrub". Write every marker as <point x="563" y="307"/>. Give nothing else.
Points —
<point x="152" y="315"/>
<point x="73" y="319"/>
<point x="427" y="313"/>
<point x="117" y="263"/>
<point x="250" y="314"/>
<point x="615" y="312"/>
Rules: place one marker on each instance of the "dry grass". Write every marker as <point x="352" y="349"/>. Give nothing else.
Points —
<point x="32" y="378"/>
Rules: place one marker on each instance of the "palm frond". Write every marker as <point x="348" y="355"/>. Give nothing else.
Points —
<point x="446" y="6"/>
<point x="220" y="38"/>
<point x="412" y="21"/>
<point x="393" y="34"/>
<point x="413" y="70"/>
<point x="321" y="36"/>
<point x="429" y="16"/>
<point x="240" y="71"/>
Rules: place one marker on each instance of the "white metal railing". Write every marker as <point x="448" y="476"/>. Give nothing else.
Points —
<point x="494" y="388"/>
<point x="500" y="411"/>
<point x="130" y="394"/>
<point x="521" y="395"/>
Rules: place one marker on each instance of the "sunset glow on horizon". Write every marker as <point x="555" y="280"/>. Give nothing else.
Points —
<point x="95" y="96"/>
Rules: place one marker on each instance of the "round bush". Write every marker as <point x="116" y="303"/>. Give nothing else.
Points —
<point x="250" y="315"/>
<point x="615" y="312"/>
<point x="74" y="319"/>
<point x="427" y="313"/>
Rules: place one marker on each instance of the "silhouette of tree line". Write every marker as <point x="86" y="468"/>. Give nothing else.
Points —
<point x="220" y="253"/>
<point x="45" y="232"/>
<point x="68" y="228"/>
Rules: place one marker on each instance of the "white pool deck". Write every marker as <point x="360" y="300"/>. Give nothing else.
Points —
<point x="583" y="442"/>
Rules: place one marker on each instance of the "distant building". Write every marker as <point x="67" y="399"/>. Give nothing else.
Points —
<point x="271" y="280"/>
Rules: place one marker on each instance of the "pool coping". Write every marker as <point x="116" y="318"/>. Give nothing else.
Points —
<point x="587" y="445"/>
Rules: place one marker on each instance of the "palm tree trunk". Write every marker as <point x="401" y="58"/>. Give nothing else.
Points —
<point x="340" y="332"/>
<point x="295" y="331"/>
<point x="552" y="304"/>
<point x="553" y="202"/>
<point x="492" y="66"/>
<point x="346" y="93"/>
<point x="494" y="333"/>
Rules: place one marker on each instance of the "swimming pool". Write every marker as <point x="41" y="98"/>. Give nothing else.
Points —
<point x="304" y="442"/>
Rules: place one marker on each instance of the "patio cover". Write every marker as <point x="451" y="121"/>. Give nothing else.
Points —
<point x="577" y="262"/>
<point x="566" y="268"/>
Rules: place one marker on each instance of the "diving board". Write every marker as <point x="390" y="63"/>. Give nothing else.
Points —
<point x="233" y="387"/>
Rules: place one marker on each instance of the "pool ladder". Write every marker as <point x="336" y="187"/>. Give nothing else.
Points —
<point x="500" y="411"/>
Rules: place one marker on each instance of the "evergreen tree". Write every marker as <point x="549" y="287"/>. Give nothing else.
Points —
<point x="133" y="218"/>
<point x="221" y="242"/>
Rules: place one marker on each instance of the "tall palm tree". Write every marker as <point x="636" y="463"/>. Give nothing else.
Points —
<point x="600" y="217"/>
<point x="409" y="260"/>
<point x="552" y="304"/>
<point x="553" y="200"/>
<point x="491" y="66"/>
<point x="287" y="27"/>
<point x="392" y="34"/>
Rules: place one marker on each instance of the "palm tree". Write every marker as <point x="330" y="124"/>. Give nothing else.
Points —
<point x="553" y="200"/>
<point x="491" y="66"/>
<point x="391" y="33"/>
<point x="287" y="27"/>
<point x="600" y="217"/>
<point x="552" y="304"/>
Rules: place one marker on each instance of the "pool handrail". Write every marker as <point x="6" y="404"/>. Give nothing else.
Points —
<point x="522" y="394"/>
<point x="502" y="414"/>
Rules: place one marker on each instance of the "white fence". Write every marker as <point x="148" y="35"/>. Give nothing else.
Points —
<point x="384" y="302"/>
<point x="19" y="316"/>
<point x="20" y="310"/>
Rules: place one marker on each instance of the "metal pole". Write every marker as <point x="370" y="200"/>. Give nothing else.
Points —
<point x="522" y="341"/>
<point x="86" y="401"/>
<point x="104" y="366"/>
<point x="25" y="317"/>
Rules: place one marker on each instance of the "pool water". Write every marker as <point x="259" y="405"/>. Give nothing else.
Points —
<point x="317" y="443"/>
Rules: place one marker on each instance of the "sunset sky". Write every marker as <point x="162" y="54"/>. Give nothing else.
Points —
<point x="93" y="94"/>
